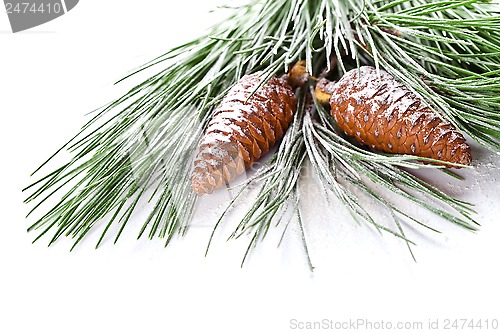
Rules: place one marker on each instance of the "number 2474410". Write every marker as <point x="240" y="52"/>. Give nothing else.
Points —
<point x="33" y="8"/>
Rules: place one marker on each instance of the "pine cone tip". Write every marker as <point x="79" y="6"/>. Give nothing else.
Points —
<point x="298" y="74"/>
<point x="323" y="91"/>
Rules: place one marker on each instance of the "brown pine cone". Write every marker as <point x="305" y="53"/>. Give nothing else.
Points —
<point x="385" y="115"/>
<point x="242" y="130"/>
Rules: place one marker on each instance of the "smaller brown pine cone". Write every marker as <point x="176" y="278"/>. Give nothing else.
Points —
<point x="382" y="113"/>
<point x="243" y="128"/>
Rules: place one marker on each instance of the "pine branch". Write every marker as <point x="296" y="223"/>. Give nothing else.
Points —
<point x="140" y="146"/>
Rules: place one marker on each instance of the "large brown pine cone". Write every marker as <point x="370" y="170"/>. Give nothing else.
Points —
<point x="243" y="128"/>
<point x="385" y="115"/>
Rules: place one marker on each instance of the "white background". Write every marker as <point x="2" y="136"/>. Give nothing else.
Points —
<point x="50" y="76"/>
